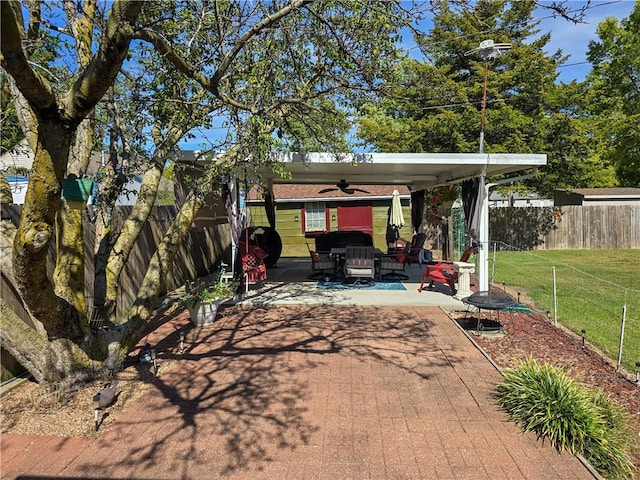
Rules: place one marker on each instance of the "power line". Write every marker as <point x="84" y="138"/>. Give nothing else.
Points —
<point x="532" y="22"/>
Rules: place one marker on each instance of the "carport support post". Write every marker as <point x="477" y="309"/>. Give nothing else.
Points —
<point x="483" y="254"/>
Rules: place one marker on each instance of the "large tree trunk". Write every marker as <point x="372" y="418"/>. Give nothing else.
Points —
<point x="36" y="231"/>
<point x="131" y="231"/>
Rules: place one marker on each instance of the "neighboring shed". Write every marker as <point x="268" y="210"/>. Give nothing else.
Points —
<point x="597" y="196"/>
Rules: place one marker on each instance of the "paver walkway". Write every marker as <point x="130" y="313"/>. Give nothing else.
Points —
<point x="315" y="392"/>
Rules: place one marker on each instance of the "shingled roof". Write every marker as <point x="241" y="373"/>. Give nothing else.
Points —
<point x="607" y="192"/>
<point x="291" y="192"/>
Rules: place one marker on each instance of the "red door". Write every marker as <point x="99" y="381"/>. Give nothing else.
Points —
<point x="355" y="216"/>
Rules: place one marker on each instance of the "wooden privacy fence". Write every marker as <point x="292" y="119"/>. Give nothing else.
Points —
<point x="202" y="249"/>
<point x="569" y="227"/>
<point x="595" y="227"/>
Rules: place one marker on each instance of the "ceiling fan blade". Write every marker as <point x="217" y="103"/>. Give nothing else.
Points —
<point x="350" y="191"/>
<point x="359" y="190"/>
<point x="325" y="190"/>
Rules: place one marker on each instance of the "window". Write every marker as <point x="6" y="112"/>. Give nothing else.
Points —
<point x="315" y="218"/>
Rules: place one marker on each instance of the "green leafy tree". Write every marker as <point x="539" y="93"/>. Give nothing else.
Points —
<point x="279" y="72"/>
<point x="437" y="106"/>
<point x="615" y="80"/>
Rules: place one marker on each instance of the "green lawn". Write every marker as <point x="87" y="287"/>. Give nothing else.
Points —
<point x="592" y="287"/>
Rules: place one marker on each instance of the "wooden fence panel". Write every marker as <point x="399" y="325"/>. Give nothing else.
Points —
<point x="595" y="227"/>
<point x="201" y="250"/>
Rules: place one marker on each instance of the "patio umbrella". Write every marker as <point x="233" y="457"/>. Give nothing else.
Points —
<point x="396" y="217"/>
<point x="473" y="194"/>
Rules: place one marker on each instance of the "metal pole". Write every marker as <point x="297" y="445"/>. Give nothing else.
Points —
<point x="493" y="266"/>
<point x="555" y="298"/>
<point x="483" y="253"/>
<point x="624" y="319"/>
<point x="484" y="108"/>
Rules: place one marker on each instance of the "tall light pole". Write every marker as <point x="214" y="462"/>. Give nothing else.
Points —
<point x="487" y="50"/>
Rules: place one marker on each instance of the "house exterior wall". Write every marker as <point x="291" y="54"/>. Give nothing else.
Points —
<point x="20" y="156"/>
<point x="292" y="233"/>
<point x="496" y="202"/>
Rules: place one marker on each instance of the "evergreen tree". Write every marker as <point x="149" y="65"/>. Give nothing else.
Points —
<point x="438" y="105"/>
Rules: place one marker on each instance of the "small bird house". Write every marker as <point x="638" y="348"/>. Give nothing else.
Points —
<point x="76" y="191"/>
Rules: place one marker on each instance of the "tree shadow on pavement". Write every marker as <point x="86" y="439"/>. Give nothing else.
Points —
<point x="244" y="390"/>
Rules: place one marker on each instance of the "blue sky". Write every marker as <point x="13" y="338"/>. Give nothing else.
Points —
<point x="573" y="39"/>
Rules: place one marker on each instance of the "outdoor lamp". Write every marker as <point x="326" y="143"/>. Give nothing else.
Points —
<point x="295" y="219"/>
<point x="583" y="332"/>
<point x="96" y="410"/>
<point x="638" y="373"/>
<point x="153" y="358"/>
<point x="182" y="335"/>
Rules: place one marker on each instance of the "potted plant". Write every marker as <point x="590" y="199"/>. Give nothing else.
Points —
<point x="202" y="299"/>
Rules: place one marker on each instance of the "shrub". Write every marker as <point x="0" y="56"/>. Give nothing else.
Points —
<point x="545" y="399"/>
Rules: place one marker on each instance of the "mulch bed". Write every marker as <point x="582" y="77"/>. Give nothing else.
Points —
<point x="534" y="335"/>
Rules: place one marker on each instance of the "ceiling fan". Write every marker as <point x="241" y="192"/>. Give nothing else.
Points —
<point x="343" y="186"/>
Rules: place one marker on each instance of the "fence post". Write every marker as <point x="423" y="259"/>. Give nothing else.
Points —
<point x="493" y="265"/>
<point x="555" y="299"/>
<point x="624" y="319"/>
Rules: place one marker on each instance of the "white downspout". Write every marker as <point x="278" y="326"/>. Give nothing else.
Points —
<point x="483" y="254"/>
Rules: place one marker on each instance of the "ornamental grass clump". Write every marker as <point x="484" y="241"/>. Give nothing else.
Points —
<point x="545" y="399"/>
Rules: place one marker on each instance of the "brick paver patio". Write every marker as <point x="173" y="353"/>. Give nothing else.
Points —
<point x="307" y="392"/>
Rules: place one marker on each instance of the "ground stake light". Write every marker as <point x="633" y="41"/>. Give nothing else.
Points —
<point x="96" y="412"/>
<point x="153" y="359"/>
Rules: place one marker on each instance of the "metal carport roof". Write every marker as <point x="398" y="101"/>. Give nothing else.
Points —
<point x="415" y="170"/>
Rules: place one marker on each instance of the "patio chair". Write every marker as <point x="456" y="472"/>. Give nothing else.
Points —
<point x="253" y="266"/>
<point x="359" y="265"/>
<point x="392" y="267"/>
<point x="414" y="250"/>
<point x="323" y="266"/>
<point x="444" y="272"/>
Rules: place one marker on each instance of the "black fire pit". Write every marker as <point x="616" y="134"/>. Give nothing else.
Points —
<point x="489" y="300"/>
<point x="480" y="326"/>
